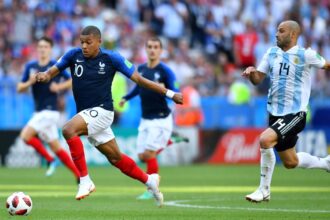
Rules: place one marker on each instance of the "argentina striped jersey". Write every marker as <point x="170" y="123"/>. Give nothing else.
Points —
<point x="289" y="72"/>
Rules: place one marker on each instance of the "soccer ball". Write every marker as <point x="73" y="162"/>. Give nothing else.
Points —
<point x="19" y="204"/>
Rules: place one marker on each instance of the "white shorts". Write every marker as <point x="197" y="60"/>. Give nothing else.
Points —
<point x="98" y="122"/>
<point x="154" y="134"/>
<point x="45" y="123"/>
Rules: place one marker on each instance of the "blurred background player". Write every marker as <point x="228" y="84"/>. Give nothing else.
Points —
<point x="93" y="71"/>
<point x="156" y="124"/>
<point x="288" y="66"/>
<point x="44" y="122"/>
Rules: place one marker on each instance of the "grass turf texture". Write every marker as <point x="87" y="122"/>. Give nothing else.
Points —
<point x="191" y="192"/>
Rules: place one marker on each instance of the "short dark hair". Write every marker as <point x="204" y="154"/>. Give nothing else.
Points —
<point x="155" y="39"/>
<point x="91" y="30"/>
<point x="47" y="39"/>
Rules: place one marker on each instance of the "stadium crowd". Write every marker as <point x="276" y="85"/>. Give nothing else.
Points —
<point x="207" y="42"/>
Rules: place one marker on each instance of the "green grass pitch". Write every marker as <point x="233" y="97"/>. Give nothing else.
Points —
<point x="191" y="192"/>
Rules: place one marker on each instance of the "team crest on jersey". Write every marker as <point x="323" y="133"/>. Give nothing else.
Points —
<point x="156" y="77"/>
<point x="101" y="68"/>
<point x="296" y="60"/>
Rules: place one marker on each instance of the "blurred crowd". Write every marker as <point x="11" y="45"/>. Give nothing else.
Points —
<point x="207" y="42"/>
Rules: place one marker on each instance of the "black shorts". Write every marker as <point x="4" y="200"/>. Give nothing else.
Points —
<point x="287" y="128"/>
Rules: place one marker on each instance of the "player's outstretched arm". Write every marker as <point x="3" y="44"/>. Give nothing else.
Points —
<point x="143" y="82"/>
<point x="44" y="77"/>
<point x="253" y="75"/>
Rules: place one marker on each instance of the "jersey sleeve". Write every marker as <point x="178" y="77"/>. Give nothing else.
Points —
<point x="134" y="92"/>
<point x="65" y="74"/>
<point x="314" y="59"/>
<point x="121" y="64"/>
<point x="264" y="63"/>
<point x="26" y="73"/>
<point x="65" y="61"/>
<point x="170" y="81"/>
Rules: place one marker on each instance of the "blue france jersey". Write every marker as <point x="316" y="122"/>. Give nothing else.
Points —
<point x="154" y="105"/>
<point x="92" y="77"/>
<point x="44" y="99"/>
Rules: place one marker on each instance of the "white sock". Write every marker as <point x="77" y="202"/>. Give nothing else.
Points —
<point x="311" y="162"/>
<point x="148" y="181"/>
<point x="85" y="179"/>
<point x="267" y="164"/>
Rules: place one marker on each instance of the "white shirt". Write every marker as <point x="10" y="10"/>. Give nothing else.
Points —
<point x="290" y="78"/>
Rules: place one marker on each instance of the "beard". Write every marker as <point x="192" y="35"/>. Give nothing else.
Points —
<point x="283" y="43"/>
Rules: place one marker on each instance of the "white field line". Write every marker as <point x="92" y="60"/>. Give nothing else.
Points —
<point x="181" y="204"/>
<point x="166" y="189"/>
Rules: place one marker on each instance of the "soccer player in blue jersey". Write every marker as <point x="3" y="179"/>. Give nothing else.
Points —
<point x="92" y="73"/>
<point x="157" y="121"/>
<point x="43" y="124"/>
<point x="288" y="66"/>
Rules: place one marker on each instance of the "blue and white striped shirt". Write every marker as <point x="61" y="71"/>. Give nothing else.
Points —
<point x="290" y="77"/>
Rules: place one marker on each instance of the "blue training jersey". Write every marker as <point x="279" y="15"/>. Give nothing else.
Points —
<point x="92" y="77"/>
<point x="154" y="105"/>
<point x="44" y="99"/>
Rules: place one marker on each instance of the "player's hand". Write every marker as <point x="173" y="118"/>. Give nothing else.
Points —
<point x="247" y="72"/>
<point x="42" y="77"/>
<point x="54" y="87"/>
<point x="32" y="79"/>
<point x="177" y="98"/>
<point x="122" y="102"/>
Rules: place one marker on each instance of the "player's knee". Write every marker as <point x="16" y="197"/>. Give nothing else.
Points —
<point x="146" y="155"/>
<point x="26" y="140"/>
<point x="265" y="141"/>
<point x="290" y="164"/>
<point x="141" y="157"/>
<point x="68" y="132"/>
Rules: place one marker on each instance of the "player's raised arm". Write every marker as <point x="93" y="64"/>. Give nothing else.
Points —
<point x="47" y="75"/>
<point x="143" y="82"/>
<point x="253" y="75"/>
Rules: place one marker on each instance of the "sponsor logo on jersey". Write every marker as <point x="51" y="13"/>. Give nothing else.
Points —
<point x="101" y="68"/>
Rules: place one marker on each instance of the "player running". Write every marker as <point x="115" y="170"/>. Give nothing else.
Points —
<point x="43" y="123"/>
<point x="288" y="66"/>
<point x="92" y="73"/>
<point x="156" y="124"/>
